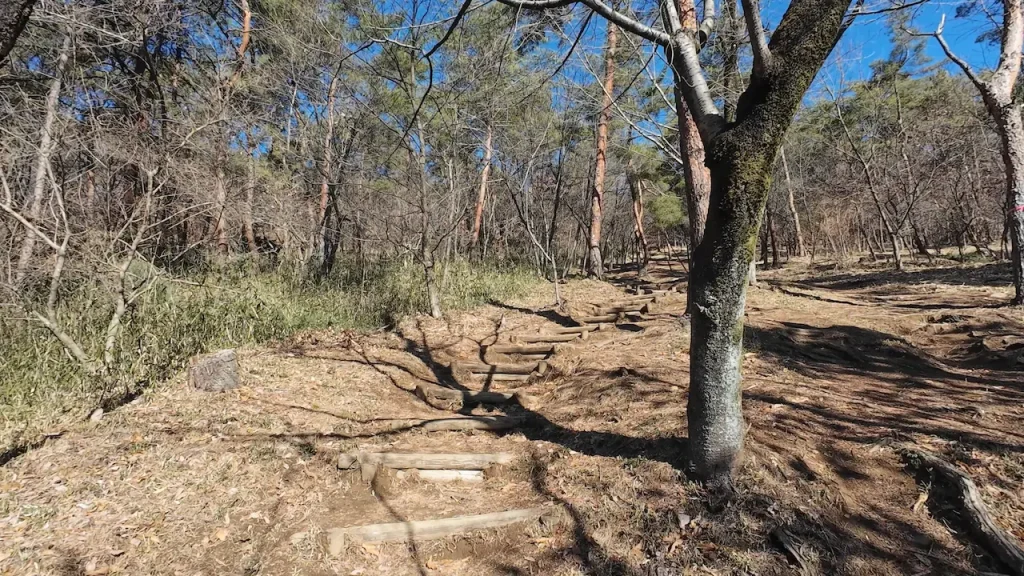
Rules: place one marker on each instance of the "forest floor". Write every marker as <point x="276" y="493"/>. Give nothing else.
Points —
<point x="841" y="364"/>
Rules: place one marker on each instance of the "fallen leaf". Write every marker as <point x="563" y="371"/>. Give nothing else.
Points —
<point x="221" y="534"/>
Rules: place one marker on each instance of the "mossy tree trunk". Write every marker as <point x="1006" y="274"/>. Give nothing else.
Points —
<point x="741" y="156"/>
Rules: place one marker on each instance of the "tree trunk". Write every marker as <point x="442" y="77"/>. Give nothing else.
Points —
<point x="792" y="204"/>
<point x="739" y="178"/>
<point x="250" y="191"/>
<point x="220" y="203"/>
<point x="14" y="16"/>
<point x="596" y="268"/>
<point x="643" y="254"/>
<point x="1012" y="139"/>
<point x="325" y="162"/>
<point x="481" y="198"/>
<point x="46" y="144"/>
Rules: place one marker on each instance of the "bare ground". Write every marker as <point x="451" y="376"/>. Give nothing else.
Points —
<point x="840" y="365"/>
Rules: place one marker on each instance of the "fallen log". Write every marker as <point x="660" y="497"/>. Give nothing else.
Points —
<point x="484" y="368"/>
<point x="532" y="339"/>
<point x="980" y="523"/>
<point x="520" y="349"/>
<point x="441" y="475"/>
<point x="419" y="530"/>
<point x="421" y="461"/>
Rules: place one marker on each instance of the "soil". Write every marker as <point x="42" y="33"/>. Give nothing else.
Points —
<point x="840" y="365"/>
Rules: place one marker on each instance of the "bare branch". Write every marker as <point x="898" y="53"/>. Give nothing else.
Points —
<point x="615" y="17"/>
<point x="758" y="43"/>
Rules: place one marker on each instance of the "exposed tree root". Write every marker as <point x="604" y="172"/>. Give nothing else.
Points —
<point x="973" y="510"/>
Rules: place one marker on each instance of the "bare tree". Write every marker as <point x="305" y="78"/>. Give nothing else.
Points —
<point x="46" y="145"/>
<point x="998" y="94"/>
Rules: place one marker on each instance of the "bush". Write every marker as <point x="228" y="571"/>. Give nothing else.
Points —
<point x="40" y="384"/>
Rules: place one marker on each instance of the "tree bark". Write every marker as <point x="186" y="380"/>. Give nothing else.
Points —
<point x="14" y="16"/>
<point x="792" y="204"/>
<point x="596" y="267"/>
<point x="46" y="145"/>
<point x="481" y="198"/>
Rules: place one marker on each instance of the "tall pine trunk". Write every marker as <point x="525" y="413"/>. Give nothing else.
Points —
<point x="596" y="268"/>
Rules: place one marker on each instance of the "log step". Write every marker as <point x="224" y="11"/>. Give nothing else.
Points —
<point x="441" y="475"/>
<point x="520" y="349"/>
<point x="499" y="377"/>
<point x="633" y="307"/>
<point x="484" y="368"/>
<point x="610" y="318"/>
<point x="421" y="461"/>
<point x="448" y="398"/>
<point x="495" y="423"/>
<point x="420" y="530"/>
<point x="578" y="329"/>
<point x="535" y="338"/>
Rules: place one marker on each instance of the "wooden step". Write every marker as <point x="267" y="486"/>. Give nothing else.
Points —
<point x="420" y="530"/>
<point x="423" y="461"/>
<point x="484" y="368"/>
<point x="441" y="475"/>
<point x="520" y="349"/>
<point x="604" y="318"/>
<point x="578" y="329"/>
<point x="535" y="338"/>
<point x="451" y="399"/>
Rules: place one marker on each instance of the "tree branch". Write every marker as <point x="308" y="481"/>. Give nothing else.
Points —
<point x="982" y="86"/>
<point x="758" y="43"/>
<point x="615" y="17"/>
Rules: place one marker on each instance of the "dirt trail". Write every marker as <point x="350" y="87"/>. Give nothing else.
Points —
<point x="839" y="365"/>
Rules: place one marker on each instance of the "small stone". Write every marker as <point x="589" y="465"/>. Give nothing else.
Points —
<point x="96" y="415"/>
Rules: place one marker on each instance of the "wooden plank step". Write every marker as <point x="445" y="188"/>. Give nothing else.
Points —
<point x="420" y="530"/>
<point x="578" y="329"/>
<point x="423" y="461"/>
